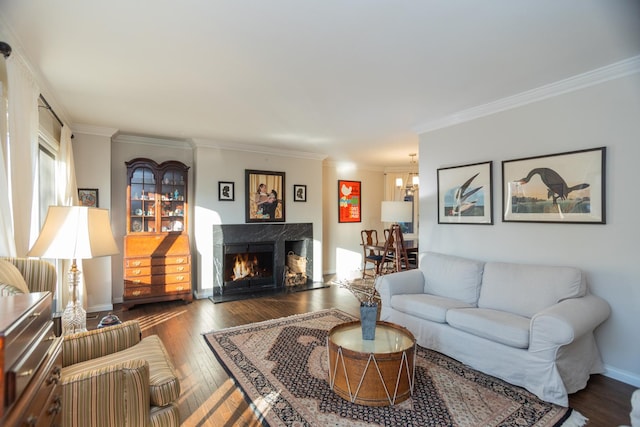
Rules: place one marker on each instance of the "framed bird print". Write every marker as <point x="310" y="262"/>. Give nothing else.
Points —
<point x="349" y="201"/>
<point x="565" y="188"/>
<point x="465" y="194"/>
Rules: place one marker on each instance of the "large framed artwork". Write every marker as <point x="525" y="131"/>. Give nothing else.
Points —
<point x="349" y="201"/>
<point x="465" y="194"/>
<point x="265" y="196"/>
<point x="565" y="188"/>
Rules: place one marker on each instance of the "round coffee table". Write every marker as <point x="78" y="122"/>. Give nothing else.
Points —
<point x="376" y="372"/>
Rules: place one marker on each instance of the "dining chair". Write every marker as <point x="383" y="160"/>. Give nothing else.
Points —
<point x="372" y="255"/>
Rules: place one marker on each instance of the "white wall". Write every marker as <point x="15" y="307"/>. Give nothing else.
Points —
<point x="608" y="115"/>
<point x="92" y="159"/>
<point x="217" y="164"/>
<point x="342" y="251"/>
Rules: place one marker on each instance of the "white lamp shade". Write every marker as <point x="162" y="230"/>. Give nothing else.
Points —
<point x="75" y="232"/>
<point x="393" y="211"/>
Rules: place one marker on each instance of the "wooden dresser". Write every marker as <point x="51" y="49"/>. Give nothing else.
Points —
<point x="157" y="254"/>
<point x="30" y="362"/>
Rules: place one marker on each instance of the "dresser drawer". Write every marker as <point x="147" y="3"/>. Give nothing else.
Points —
<point x="169" y="269"/>
<point x="24" y="370"/>
<point x="137" y="272"/>
<point x="44" y="409"/>
<point x="21" y="333"/>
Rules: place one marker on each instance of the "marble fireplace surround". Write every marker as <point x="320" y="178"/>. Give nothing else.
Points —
<point x="297" y="237"/>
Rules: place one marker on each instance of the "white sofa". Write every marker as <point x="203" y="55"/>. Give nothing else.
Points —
<point x="529" y="325"/>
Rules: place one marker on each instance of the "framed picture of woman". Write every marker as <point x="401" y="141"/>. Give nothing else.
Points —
<point x="265" y="196"/>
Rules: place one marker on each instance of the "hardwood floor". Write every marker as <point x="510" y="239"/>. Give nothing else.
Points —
<point x="209" y="397"/>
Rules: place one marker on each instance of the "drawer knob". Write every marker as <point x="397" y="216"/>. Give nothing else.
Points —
<point x="135" y="293"/>
<point x="181" y="268"/>
<point x="181" y="277"/>
<point x="137" y="281"/>
<point x="136" y="263"/>
<point x="137" y="271"/>
<point x="179" y="260"/>
<point x="35" y="314"/>
<point x="179" y="288"/>
<point x="56" y="406"/>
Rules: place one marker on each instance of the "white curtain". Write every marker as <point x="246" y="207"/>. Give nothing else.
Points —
<point x="22" y="92"/>
<point x="67" y="195"/>
<point x="7" y="244"/>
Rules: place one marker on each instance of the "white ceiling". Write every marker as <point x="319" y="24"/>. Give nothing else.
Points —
<point x="352" y="79"/>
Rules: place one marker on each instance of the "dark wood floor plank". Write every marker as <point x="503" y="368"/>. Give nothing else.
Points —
<point x="210" y="398"/>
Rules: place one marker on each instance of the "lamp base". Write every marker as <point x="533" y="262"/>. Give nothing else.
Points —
<point x="74" y="319"/>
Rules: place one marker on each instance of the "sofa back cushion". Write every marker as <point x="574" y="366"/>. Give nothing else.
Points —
<point x="527" y="289"/>
<point x="452" y="277"/>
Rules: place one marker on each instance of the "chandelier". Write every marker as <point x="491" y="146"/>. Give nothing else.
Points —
<point x="413" y="180"/>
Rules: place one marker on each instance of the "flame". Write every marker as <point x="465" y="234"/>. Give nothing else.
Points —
<point x="243" y="267"/>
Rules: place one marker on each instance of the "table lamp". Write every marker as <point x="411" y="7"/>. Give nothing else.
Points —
<point x="74" y="232"/>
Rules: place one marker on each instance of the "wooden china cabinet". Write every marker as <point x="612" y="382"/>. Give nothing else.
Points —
<point x="157" y="257"/>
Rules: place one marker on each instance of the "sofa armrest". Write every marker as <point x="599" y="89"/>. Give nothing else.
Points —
<point x="566" y="321"/>
<point x="402" y="282"/>
<point x="114" y="395"/>
<point x="99" y="342"/>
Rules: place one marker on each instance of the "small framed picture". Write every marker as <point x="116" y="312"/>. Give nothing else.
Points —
<point x="226" y="191"/>
<point x="465" y="194"/>
<point x="299" y="193"/>
<point x="88" y="197"/>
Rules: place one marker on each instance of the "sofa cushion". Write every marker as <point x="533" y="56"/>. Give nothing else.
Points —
<point x="424" y="306"/>
<point x="527" y="289"/>
<point x="499" y="326"/>
<point x="452" y="277"/>
<point x="10" y="275"/>
<point x="164" y="387"/>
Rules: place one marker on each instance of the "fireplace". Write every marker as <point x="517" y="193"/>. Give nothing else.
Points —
<point x="248" y="266"/>
<point x="261" y="247"/>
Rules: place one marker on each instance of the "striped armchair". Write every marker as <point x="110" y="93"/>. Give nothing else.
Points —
<point x="112" y="377"/>
<point x="38" y="275"/>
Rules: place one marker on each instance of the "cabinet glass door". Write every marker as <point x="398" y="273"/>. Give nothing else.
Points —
<point x="173" y="200"/>
<point x="143" y="201"/>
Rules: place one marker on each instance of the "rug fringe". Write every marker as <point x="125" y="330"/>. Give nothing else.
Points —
<point x="576" y="419"/>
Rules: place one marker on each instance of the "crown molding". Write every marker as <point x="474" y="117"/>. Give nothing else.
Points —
<point x="590" y="78"/>
<point x="260" y="149"/>
<point x="94" y="130"/>
<point x="155" y="141"/>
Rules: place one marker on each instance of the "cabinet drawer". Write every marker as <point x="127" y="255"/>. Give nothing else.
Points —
<point x="47" y="402"/>
<point x="21" y="334"/>
<point x="137" y="262"/>
<point x="157" y="279"/>
<point x="156" y="290"/>
<point x="169" y="269"/>
<point x="137" y="271"/>
<point x="170" y="260"/>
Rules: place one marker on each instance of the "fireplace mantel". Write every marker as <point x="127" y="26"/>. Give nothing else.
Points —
<point x="288" y="236"/>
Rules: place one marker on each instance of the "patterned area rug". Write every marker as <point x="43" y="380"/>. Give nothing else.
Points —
<point x="281" y="366"/>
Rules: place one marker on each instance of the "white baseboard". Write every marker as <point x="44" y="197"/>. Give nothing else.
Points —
<point x="622" y="375"/>
<point x="102" y="307"/>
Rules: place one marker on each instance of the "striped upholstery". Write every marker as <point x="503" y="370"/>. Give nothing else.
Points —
<point x="114" y="395"/>
<point x="8" y="290"/>
<point x="83" y="346"/>
<point x="39" y="274"/>
<point x="100" y="362"/>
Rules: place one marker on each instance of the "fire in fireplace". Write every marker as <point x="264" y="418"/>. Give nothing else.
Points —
<point x="248" y="266"/>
